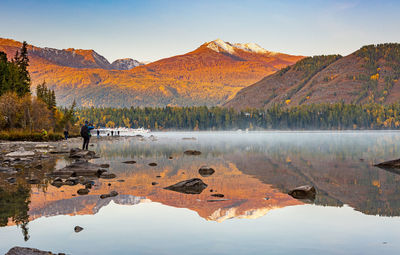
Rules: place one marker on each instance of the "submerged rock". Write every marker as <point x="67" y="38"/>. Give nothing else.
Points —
<point x="192" y="186"/>
<point x="27" y="251"/>
<point x="129" y="162"/>
<point x="83" y="191"/>
<point x="206" y="171"/>
<point x="391" y="166"/>
<point x="111" y="194"/>
<point x="192" y="152"/>
<point x="78" y="229"/>
<point x="154" y="183"/>
<point x="303" y="192"/>
<point x="105" y="165"/>
<point x="153" y="164"/>
<point x="107" y="175"/>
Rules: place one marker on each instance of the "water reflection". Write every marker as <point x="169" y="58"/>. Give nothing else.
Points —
<point x="14" y="207"/>
<point x="253" y="171"/>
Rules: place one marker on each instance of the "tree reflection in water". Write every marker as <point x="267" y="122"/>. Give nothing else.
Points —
<point x="14" y="206"/>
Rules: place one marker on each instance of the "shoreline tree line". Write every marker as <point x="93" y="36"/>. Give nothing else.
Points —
<point x="337" y="116"/>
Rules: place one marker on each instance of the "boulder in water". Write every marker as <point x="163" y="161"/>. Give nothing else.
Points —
<point x="27" y="251"/>
<point x="129" y="162"/>
<point x="303" y="192"/>
<point x="107" y="175"/>
<point x="78" y="229"/>
<point x="85" y="154"/>
<point x="83" y="191"/>
<point x="111" y="194"/>
<point x="191" y="186"/>
<point x="391" y="166"/>
<point x="192" y="152"/>
<point x="206" y="171"/>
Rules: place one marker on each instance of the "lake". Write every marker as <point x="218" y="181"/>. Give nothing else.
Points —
<point x="356" y="209"/>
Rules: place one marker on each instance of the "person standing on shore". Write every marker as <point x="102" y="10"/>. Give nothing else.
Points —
<point x="85" y="133"/>
<point x="66" y="134"/>
<point x="98" y="133"/>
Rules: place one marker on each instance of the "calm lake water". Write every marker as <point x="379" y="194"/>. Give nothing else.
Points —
<point x="356" y="210"/>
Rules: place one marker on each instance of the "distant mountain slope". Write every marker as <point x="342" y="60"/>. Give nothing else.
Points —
<point x="370" y="74"/>
<point x="209" y="75"/>
<point x="69" y="57"/>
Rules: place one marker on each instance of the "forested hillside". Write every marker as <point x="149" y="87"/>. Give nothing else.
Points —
<point x="370" y="74"/>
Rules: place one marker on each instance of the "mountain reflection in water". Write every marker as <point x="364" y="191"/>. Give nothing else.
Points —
<point x="254" y="172"/>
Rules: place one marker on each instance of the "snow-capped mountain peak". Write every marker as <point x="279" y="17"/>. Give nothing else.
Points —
<point x="252" y="47"/>
<point x="219" y="45"/>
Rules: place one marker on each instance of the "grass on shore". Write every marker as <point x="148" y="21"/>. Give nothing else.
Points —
<point x="21" y="135"/>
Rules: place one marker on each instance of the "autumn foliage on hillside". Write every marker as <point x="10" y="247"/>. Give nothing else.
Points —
<point x="201" y="77"/>
<point x="369" y="75"/>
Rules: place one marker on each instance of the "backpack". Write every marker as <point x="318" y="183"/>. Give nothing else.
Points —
<point x="84" y="131"/>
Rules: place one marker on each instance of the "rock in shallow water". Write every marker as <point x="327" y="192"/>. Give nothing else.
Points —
<point x="391" y="166"/>
<point x="83" y="191"/>
<point x="111" y="194"/>
<point x="28" y="251"/>
<point x="192" y="152"/>
<point x="191" y="186"/>
<point x="107" y="175"/>
<point x="303" y="192"/>
<point x="129" y="162"/>
<point x="78" y="153"/>
<point x="206" y="171"/>
<point x="78" y="229"/>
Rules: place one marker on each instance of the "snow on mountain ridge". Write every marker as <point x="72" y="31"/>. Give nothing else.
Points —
<point x="125" y="64"/>
<point x="219" y="45"/>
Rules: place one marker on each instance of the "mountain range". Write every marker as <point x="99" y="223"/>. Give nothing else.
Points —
<point x="235" y="75"/>
<point x="210" y="75"/>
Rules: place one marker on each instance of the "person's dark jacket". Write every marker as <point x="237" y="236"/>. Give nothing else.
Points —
<point x="85" y="131"/>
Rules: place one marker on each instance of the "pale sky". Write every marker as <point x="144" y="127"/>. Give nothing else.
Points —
<point x="149" y="30"/>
